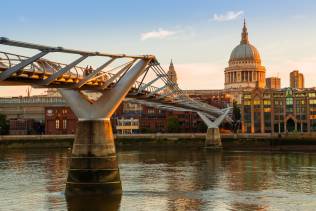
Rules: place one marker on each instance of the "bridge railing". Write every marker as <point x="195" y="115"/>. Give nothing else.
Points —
<point x="46" y="67"/>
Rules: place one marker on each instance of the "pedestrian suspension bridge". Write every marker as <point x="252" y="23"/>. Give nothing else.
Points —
<point x="94" y="94"/>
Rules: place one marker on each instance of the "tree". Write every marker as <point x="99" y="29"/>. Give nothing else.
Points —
<point x="173" y="124"/>
<point x="4" y="127"/>
<point x="201" y="127"/>
<point x="236" y="116"/>
<point x="236" y="112"/>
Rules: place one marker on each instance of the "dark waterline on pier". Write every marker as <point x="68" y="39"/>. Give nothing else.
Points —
<point x="167" y="179"/>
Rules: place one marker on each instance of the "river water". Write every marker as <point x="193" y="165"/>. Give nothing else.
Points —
<point x="167" y="179"/>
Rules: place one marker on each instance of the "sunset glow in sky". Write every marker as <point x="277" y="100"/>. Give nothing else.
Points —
<point x="198" y="35"/>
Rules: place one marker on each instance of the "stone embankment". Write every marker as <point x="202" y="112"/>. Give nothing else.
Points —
<point x="286" y="142"/>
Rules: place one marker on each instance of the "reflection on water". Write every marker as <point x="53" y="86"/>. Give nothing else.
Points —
<point x="95" y="203"/>
<point x="166" y="180"/>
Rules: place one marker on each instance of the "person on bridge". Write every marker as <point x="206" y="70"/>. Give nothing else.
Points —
<point x="90" y="70"/>
<point x="85" y="71"/>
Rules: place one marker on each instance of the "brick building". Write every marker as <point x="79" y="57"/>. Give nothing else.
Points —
<point x="59" y="120"/>
<point x="128" y="118"/>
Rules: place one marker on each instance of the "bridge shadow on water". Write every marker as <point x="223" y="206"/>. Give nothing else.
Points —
<point x="93" y="202"/>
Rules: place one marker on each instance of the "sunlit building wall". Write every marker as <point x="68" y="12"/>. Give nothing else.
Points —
<point x="278" y="111"/>
<point x="273" y="83"/>
<point x="296" y="80"/>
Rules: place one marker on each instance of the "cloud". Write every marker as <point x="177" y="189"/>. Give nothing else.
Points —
<point x="228" y="16"/>
<point x="158" y="34"/>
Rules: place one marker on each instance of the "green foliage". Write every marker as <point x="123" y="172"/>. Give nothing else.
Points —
<point x="4" y="127"/>
<point x="201" y="127"/>
<point x="236" y="112"/>
<point x="173" y="124"/>
<point x="147" y="130"/>
<point x="236" y="117"/>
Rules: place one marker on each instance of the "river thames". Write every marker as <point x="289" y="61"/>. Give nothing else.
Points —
<point x="176" y="179"/>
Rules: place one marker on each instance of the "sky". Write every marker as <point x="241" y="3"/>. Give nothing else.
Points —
<point x="198" y="35"/>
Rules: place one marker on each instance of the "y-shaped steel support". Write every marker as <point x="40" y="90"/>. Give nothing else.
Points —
<point x="213" y="137"/>
<point x="93" y="167"/>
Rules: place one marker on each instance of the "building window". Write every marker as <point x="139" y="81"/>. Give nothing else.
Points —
<point x="312" y="102"/>
<point x="57" y="123"/>
<point x="289" y="101"/>
<point x="266" y="102"/>
<point x="247" y="102"/>
<point x="312" y="94"/>
<point x="256" y="102"/>
<point x="257" y="122"/>
<point x="151" y="111"/>
<point x="267" y="110"/>
<point x="312" y="116"/>
<point x="267" y="122"/>
<point x="313" y="123"/>
<point x="247" y="96"/>
<point x="65" y="124"/>
<point x="289" y="109"/>
<point x="247" y="113"/>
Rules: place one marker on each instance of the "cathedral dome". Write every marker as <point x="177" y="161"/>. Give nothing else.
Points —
<point x="244" y="69"/>
<point x="245" y="51"/>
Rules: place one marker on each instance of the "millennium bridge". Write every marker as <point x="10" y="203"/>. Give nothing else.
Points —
<point x="94" y="94"/>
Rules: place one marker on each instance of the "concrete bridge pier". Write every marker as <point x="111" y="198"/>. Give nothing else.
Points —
<point x="93" y="167"/>
<point x="213" y="137"/>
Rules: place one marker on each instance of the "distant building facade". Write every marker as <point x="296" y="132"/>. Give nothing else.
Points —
<point x="126" y="119"/>
<point x="136" y="118"/>
<point x="127" y="126"/>
<point x="25" y="127"/>
<point x="278" y="111"/>
<point x="273" y="83"/>
<point x="296" y="80"/>
<point x="26" y="115"/>
<point x="129" y="118"/>
<point x="28" y="107"/>
<point x="60" y="120"/>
